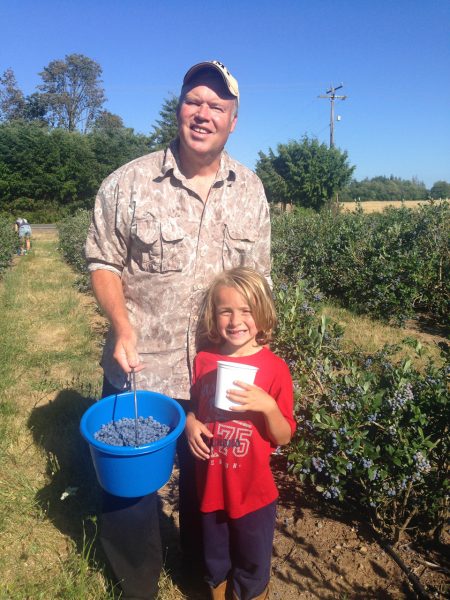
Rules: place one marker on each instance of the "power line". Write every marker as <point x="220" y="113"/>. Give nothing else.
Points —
<point x="331" y="94"/>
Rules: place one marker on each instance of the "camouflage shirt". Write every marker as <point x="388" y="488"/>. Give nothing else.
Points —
<point x="166" y="244"/>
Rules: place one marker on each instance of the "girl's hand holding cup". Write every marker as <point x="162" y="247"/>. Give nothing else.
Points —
<point x="250" y="398"/>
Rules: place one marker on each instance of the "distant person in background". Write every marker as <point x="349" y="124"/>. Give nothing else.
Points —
<point x="23" y="229"/>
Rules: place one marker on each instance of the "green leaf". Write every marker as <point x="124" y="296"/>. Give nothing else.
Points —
<point x="372" y="473"/>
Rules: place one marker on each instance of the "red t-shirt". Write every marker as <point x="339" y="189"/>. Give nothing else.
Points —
<point x="237" y="477"/>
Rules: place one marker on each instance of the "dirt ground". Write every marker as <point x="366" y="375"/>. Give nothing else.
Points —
<point x="321" y="552"/>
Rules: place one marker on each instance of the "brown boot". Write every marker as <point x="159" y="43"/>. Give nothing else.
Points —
<point x="218" y="592"/>
<point x="262" y="596"/>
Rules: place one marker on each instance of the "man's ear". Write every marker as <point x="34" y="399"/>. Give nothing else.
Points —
<point x="233" y="123"/>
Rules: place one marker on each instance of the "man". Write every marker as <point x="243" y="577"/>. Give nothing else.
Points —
<point x="162" y="227"/>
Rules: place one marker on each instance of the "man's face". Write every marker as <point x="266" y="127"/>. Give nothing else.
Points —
<point x="206" y="117"/>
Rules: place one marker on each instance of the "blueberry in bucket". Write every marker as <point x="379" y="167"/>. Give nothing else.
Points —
<point x="123" y="432"/>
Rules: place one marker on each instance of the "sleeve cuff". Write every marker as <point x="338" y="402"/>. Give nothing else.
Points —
<point x="101" y="266"/>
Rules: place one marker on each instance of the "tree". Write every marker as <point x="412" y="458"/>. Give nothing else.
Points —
<point x="45" y="165"/>
<point x="166" y="128"/>
<point x="107" y="121"/>
<point x="73" y="92"/>
<point x="304" y="172"/>
<point x="14" y="105"/>
<point x="385" y="188"/>
<point x="36" y="108"/>
<point x="12" y="101"/>
<point x="115" y="146"/>
<point x="440" y="189"/>
<point x="274" y="184"/>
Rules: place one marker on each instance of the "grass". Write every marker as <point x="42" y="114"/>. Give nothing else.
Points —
<point x="370" y="206"/>
<point x="369" y="335"/>
<point x="49" y="374"/>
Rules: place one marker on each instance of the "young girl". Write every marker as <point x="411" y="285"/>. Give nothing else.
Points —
<point x="235" y="483"/>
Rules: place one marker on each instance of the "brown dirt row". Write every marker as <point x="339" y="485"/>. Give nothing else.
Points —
<point x="322" y="552"/>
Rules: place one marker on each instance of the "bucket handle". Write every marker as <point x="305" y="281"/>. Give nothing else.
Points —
<point x="133" y="387"/>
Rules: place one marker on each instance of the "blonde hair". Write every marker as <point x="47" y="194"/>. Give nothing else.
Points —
<point x="255" y="289"/>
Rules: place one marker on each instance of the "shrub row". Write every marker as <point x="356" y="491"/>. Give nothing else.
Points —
<point x="72" y="233"/>
<point x="387" y="265"/>
<point x="371" y="432"/>
<point x="8" y="243"/>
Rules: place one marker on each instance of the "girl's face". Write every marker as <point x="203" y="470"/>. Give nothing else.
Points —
<point x="235" y="323"/>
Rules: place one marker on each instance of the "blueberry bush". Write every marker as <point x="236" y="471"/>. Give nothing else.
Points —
<point x="8" y="243"/>
<point x="388" y="265"/>
<point x="372" y="432"/>
<point x="72" y="236"/>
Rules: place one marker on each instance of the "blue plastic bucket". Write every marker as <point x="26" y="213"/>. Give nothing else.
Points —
<point x="123" y="470"/>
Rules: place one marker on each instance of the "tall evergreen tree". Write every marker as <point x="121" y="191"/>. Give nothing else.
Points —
<point x="166" y="128"/>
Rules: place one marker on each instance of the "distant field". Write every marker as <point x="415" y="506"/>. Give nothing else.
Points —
<point x="378" y="205"/>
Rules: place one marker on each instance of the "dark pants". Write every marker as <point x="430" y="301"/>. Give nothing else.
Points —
<point x="188" y="506"/>
<point x="129" y="533"/>
<point x="129" y="528"/>
<point x="239" y="550"/>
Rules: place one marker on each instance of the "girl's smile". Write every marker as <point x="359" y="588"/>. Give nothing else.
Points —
<point x="235" y="323"/>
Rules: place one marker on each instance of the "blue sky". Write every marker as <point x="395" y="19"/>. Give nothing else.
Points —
<point x="392" y="56"/>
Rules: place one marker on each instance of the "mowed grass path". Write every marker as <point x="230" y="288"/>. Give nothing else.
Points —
<point x="49" y="375"/>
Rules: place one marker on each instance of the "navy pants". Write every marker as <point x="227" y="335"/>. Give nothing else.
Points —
<point x="129" y="528"/>
<point x="239" y="550"/>
<point x="129" y="534"/>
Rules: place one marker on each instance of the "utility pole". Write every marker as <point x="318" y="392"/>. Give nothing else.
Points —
<point x="331" y="94"/>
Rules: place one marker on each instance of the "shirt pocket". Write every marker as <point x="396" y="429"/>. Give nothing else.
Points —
<point x="159" y="246"/>
<point x="147" y="244"/>
<point x="173" y="244"/>
<point x="238" y="246"/>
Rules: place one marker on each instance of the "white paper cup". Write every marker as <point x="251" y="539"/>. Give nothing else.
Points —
<point x="227" y="373"/>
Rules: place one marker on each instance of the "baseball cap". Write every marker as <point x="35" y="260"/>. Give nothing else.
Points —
<point x="229" y="80"/>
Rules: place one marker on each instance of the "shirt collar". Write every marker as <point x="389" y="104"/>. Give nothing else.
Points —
<point x="172" y="158"/>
